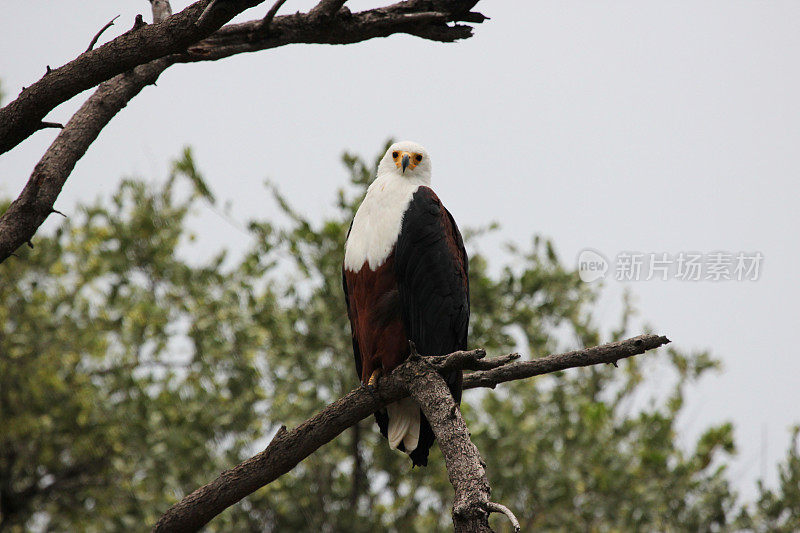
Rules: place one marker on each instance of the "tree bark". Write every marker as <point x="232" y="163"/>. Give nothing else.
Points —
<point x="140" y="45"/>
<point x="465" y="467"/>
<point x="37" y="200"/>
<point x="288" y="448"/>
<point x="136" y="59"/>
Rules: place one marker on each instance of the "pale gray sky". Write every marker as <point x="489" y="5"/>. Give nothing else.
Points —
<point x="620" y="126"/>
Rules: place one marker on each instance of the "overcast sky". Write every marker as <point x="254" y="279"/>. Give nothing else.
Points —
<point x="650" y="127"/>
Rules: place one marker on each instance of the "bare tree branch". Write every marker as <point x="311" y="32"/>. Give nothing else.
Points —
<point x="204" y="15"/>
<point x="173" y="34"/>
<point x="44" y="125"/>
<point x="465" y="467"/>
<point x="263" y="25"/>
<point x="20" y="222"/>
<point x="414" y="17"/>
<point x="606" y="353"/>
<point x="37" y="200"/>
<point x="140" y="45"/>
<point x="327" y="8"/>
<point x="138" y="22"/>
<point x="494" y="507"/>
<point x="288" y="448"/>
<point x="97" y="36"/>
<point x="161" y="9"/>
<point x="470" y="360"/>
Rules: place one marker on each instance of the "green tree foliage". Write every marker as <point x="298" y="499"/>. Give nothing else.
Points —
<point x="126" y="375"/>
<point x="129" y="376"/>
<point x="777" y="510"/>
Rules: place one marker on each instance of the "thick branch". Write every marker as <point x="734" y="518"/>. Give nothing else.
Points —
<point x="19" y="119"/>
<point x="36" y="201"/>
<point x="326" y="23"/>
<point x="423" y="18"/>
<point x="287" y="449"/>
<point x="284" y="452"/>
<point x="465" y="467"/>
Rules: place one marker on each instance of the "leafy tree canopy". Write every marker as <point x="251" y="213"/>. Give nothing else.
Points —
<point x="130" y="376"/>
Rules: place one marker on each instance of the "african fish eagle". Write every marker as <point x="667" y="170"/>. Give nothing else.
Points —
<point x="405" y="279"/>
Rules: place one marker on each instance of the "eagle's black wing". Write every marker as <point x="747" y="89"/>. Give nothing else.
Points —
<point x="432" y="273"/>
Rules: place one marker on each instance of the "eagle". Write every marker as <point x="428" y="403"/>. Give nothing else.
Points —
<point x="405" y="278"/>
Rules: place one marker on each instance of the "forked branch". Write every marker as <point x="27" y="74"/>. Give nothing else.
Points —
<point x="143" y="43"/>
<point x="465" y="467"/>
<point x="126" y="64"/>
<point x="288" y="448"/>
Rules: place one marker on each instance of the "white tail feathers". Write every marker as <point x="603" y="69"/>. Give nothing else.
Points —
<point x="403" y="424"/>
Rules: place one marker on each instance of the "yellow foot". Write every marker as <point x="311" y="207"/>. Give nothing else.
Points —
<point x="373" y="379"/>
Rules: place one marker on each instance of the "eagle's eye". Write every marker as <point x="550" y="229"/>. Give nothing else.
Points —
<point x="394" y="155"/>
<point x="418" y="158"/>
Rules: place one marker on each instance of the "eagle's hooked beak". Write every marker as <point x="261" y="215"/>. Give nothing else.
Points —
<point x="406" y="161"/>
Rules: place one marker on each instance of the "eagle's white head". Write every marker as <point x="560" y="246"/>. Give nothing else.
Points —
<point x="406" y="159"/>
<point x="404" y="168"/>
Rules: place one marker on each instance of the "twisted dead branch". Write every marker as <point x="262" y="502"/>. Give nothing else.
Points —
<point x="128" y="63"/>
<point x="289" y="447"/>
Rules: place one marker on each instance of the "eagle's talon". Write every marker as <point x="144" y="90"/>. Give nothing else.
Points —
<point x="371" y="389"/>
<point x="372" y="383"/>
